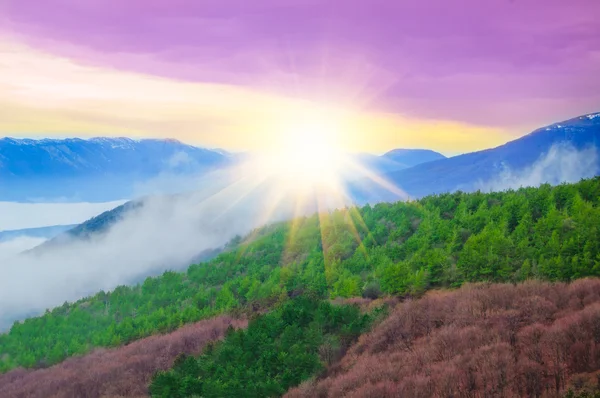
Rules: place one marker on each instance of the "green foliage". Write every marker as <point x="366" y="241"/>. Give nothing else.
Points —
<point x="277" y="351"/>
<point x="582" y="394"/>
<point x="402" y="249"/>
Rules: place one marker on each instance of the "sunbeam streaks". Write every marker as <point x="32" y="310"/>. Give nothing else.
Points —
<point x="304" y="173"/>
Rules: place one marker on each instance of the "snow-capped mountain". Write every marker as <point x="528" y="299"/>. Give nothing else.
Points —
<point x="563" y="151"/>
<point x="96" y="169"/>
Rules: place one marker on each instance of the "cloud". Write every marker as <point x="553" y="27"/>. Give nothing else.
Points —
<point x="562" y="163"/>
<point x="530" y="59"/>
<point x="179" y="159"/>
<point x="12" y="247"/>
<point x="48" y="95"/>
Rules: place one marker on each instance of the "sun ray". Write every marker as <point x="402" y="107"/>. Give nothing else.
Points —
<point x="276" y="197"/>
<point x="219" y="192"/>
<point x="303" y="173"/>
<point x="323" y="220"/>
<point x="253" y="185"/>
<point x="352" y="227"/>
<point x="368" y="175"/>
<point x="296" y="222"/>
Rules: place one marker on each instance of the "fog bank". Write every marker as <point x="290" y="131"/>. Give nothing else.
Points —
<point x="562" y="163"/>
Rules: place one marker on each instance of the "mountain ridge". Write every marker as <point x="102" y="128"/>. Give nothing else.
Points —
<point x="48" y="232"/>
<point x="108" y="168"/>
<point x="96" y="169"/>
<point x="464" y="171"/>
<point x="413" y="157"/>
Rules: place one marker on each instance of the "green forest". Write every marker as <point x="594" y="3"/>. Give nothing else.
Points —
<point x="277" y="351"/>
<point x="401" y="249"/>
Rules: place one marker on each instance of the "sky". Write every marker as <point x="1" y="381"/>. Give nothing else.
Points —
<point x="449" y="75"/>
<point x="16" y="216"/>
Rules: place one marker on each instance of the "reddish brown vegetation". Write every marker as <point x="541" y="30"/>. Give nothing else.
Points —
<point x="530" y="340"/>
<point x="124" y="371"/>
<point x="366" y="304"/>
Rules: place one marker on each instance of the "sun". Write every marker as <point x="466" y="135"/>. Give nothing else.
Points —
<point x="307" y="153"/>
<point x="305" y="165"/>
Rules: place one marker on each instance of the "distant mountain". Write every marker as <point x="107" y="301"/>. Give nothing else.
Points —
<point x="412" y="157"/>
<point x="465" y="172"/>
<point x="107" y="169"/>
<point x="41" y="232"/>
<point x="97" y="169"/>
<point x="94" y="226"/>
<point x="549" y="154"/>
<point x="396" y="159"/>
<point x="98" y="227"/>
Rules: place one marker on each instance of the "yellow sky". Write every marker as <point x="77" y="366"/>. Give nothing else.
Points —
<point x="45" y="95"/>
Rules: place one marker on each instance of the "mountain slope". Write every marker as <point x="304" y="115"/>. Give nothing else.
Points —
<point x="475" y="170"/>
<point x="94" y="226"/>
<point x="396" y="159"/>
<point x="490" y="340"/>
<point x="118" y="372"/>
<point x="97" y="169"/>
<point x="390" y="249"/>
<point x="277" y="351"/>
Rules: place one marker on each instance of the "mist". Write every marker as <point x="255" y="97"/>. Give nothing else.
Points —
<point x="12" y="247"/>
<point x="165" y="233"/>
<point x="33" y="215"/>
<point x="562" y="163"/>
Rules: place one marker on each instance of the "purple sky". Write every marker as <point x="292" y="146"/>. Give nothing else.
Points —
<point x="512" y="64"/>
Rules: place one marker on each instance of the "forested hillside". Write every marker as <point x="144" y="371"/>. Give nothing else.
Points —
<point x="390" y="249"/>
<point x="277" y="351"/>
<point x="533" y="339"/>
<point x="116" y="372"/>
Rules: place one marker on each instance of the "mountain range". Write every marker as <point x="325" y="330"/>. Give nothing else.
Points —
<point x="97" y="169"/>
<point x="106" y="169"/>
<point x="564" y="151"/>
<point x="412" y="157"/>
<point x="395" y="160"/>
<point x="466" y="171"/>
<point x="561" y="152"/>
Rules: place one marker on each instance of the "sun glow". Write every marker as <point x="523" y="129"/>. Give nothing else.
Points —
<point x="307" y="155"/>
<point x="305" y="170"/>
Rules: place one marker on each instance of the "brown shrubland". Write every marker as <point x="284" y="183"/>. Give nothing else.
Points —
<point x="485" y="340"/>
<point x="534" y="339"/>
<point x="118" y="372"/>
